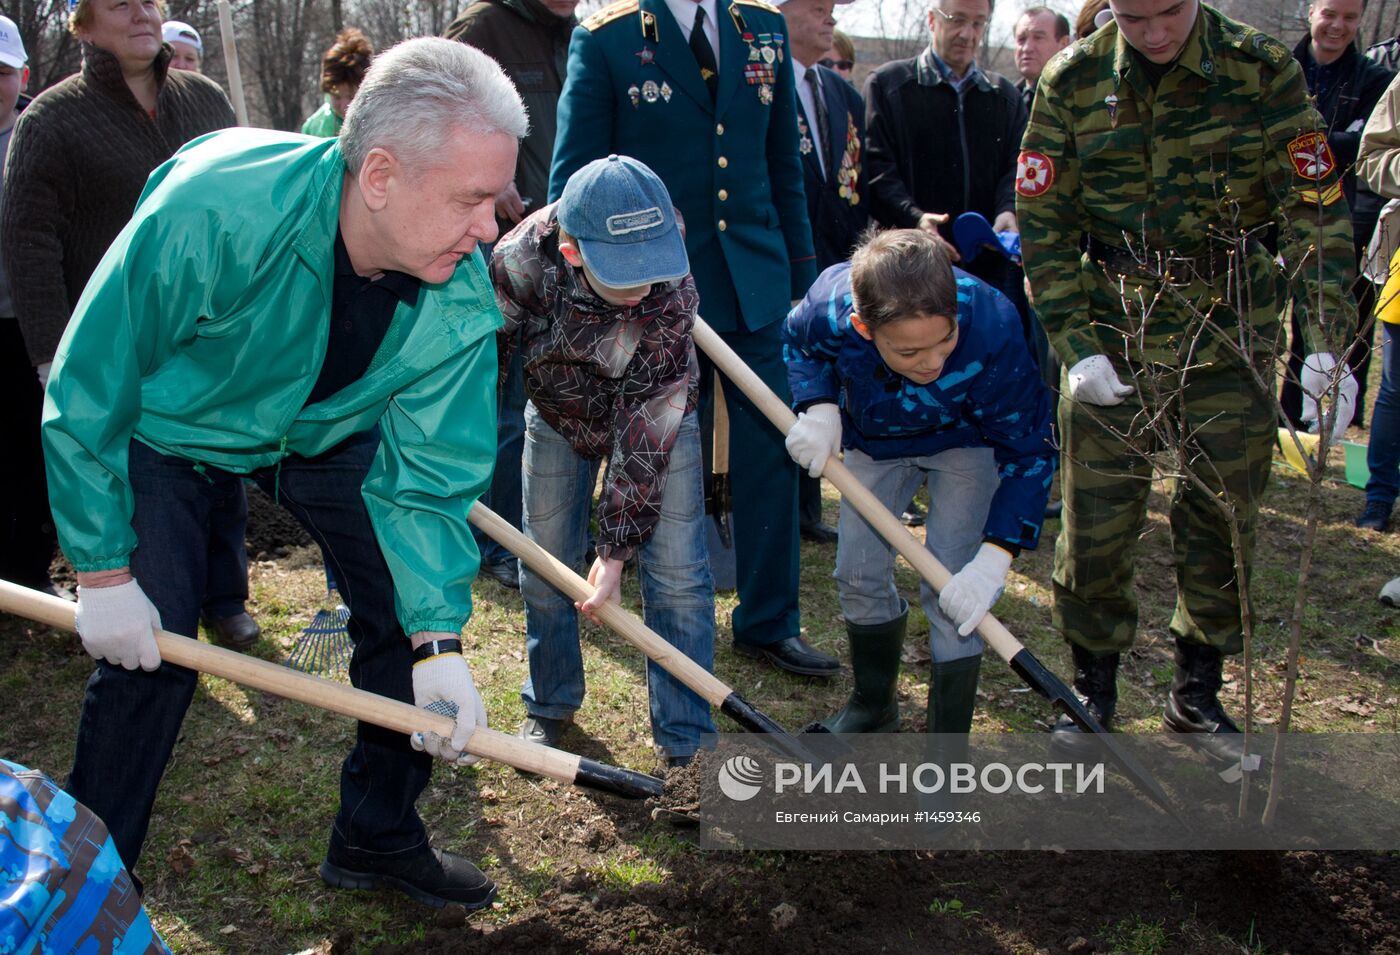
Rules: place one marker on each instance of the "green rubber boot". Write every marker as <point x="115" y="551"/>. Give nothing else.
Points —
<point x="875" y="650"/>
<point x="952" y="695"/>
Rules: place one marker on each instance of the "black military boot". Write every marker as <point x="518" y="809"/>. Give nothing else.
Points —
<point x="1096" y="685"/>
<point x="875" y="650"/>
<point x="1192" y="705"/>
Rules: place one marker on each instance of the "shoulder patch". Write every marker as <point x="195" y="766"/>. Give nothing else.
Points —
<point x="757" y="3"/>
<point x="1260" y="46"/>
<point x="610" y="13"/>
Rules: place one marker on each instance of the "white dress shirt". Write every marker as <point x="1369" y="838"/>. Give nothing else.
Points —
<point x="684" y="12"/>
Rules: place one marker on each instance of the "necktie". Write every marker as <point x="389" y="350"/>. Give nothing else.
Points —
<point x="823" y="121"/>
<point x="704" y="53"/>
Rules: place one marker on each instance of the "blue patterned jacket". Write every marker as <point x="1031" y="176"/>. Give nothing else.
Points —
<point x="990" y="394"/>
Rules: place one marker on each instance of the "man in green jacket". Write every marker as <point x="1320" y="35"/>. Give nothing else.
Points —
<point x="315" y="316"/>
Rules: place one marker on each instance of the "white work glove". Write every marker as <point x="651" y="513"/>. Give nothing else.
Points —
<point x="42" y="370"/>
<point x="118" y="624"/>
<point x="1094" y="382"/>
<point x="972" y="591"/>
<point x="443" y="684"/>
<point x="1319" y="369"/>
<point x="815" y="437"/>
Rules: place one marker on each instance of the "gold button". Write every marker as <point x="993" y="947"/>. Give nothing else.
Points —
<point x="719" y="129"/>
<point x="723" y="163"/>
<point x="723" y="194"/>
<point x="723" y="225"/>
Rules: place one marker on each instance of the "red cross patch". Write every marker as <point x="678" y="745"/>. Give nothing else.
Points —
<point x="1034" y="173"/>
<point x="1312" y="157"/>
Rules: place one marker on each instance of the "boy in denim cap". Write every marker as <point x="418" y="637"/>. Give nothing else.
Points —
<point x="922" y="374"/>
<point x="598" y="287"/>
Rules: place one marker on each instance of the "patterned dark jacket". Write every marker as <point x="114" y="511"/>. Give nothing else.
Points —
<point x="614" y="382"/>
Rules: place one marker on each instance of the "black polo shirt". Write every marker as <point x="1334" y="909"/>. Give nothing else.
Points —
<point x="361" y="311"/>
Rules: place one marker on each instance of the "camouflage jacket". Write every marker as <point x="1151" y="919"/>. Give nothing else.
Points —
<point x="613" y="381"/>
<point x="1225" y="150"/>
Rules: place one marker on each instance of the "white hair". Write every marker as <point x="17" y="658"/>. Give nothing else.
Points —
<point x="419" y="92"/>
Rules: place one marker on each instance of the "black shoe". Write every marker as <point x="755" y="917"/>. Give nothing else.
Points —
<point x="678" y="762"/>
<point x="1193" y="706"/>
<point x="542" y="730"/>
<point x="913" y="515"/>
<point x="504" y="572"/>
<point x="793" y="655"/>
<point x="1096" y="686"/>
<point x="818" y="533"/>
<point x="432" y="876"/>
<point x="238" y="632"/>
<point x="1054" y="510"/>
<point x="1375" y="517"/>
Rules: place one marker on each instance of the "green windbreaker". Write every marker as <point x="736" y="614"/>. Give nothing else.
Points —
<point x="202" y="332"/>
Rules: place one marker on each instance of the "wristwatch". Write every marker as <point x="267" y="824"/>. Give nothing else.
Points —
<point x="435" y="648"/>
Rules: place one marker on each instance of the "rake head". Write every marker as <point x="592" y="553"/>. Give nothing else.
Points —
<point x="324" y="646"/>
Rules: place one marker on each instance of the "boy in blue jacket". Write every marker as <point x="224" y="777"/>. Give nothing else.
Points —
<point x="921" y="374"/>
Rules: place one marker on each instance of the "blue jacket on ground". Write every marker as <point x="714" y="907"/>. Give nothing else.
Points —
<point x="990" y="394"/>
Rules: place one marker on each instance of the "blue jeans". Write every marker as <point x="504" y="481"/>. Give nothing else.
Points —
<point x="226" y="587"/>
<point x="130" y="719"/>
<point x="1383" y="453"/>
<point x="505" y="495"/>
<point x="961" y="482"/>
<point x="678" y="595"/>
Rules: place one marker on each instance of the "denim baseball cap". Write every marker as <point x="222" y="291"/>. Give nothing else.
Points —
<point x="972" y="232"/>
<point x="621" y="215"/>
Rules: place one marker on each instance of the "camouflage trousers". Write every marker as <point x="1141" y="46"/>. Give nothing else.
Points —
<point x="1106" y="472"/>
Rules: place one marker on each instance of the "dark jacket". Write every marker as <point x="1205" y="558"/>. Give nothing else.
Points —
<point x="78" y="161"/>
<point x="1346" y="91"/>
<point x="1386" y="53"/>
<point x="989" y="394"/>
<point x="613" y="381"/>
<point x="730" y="162"/>
<point x="925" y="152"/>
<point x="837" y="206"/>
<point x="532" y="46"/>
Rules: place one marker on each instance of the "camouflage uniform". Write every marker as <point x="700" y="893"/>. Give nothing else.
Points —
<point x="1224" y="148"/>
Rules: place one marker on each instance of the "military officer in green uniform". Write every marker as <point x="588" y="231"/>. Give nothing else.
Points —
<point x="703" y="93"/>
<point x="1159" y="151"/>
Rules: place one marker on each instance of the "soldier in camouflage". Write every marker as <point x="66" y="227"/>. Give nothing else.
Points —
<point x="1160" y="150"/>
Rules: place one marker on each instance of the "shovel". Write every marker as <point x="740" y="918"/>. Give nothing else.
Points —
<point x="634" y="631"/>
<point x="1024" y="663"/>
<point x="348" y="701"/>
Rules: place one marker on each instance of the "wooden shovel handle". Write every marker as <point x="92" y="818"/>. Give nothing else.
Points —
<point x="852" y="491"/>
<point x="305" y="688"/>
<point x="680" y="666"/>
<point x="235" y="74"/>
<point x="719" y="460"/>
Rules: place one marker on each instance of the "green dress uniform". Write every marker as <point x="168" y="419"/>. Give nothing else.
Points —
<point x="730" y="161"/>
<point x="1142" y="208"/>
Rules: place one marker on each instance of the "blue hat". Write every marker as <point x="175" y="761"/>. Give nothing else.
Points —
<point x="972" y="232"/>
<point x="621" y="215"/>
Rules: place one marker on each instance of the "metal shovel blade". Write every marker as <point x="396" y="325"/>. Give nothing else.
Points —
<point x="1048" y="685"/>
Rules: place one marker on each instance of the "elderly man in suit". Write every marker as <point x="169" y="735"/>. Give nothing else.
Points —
<point x="703" y="93"/>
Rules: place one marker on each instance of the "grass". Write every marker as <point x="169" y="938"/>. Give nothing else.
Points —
<point x="248" y="797"/>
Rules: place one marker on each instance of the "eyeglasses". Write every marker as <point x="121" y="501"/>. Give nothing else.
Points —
<point x="831" y="64"/>
<point x="958" y="22"/>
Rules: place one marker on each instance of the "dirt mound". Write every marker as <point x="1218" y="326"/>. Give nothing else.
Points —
<point x="272" y="531"/>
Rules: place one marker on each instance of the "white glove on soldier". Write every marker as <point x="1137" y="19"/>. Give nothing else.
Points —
<point x="118" y="624"/>
<point x="815" y="437"/>
<point x="1319" y="369"/>
<point x="972" y="591"/>
<point x="1094" y="382"/>
<point x="444" y="685"/>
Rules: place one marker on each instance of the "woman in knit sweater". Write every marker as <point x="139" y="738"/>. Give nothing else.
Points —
<point x="78" y="160"/>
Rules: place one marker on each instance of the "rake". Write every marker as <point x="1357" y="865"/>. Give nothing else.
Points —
<point x="324" y="646"/>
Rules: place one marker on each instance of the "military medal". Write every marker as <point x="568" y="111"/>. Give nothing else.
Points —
<point x="634" y="94"/>
<point x="768" y="55"/>
<point x="804" y="144"/>
<point x="765" y="94"/>
<point x="1111" y="101"/>
<point x="650" y="91"/>
<point x="647" y="55"/>
<point x="666" y="91"/>
<point x="778" y="41"/>
<point x="753" y="53"/>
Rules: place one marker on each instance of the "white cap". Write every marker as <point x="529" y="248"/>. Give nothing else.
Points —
<point x="11" y="45"/>
<point x="175" y="31"/>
